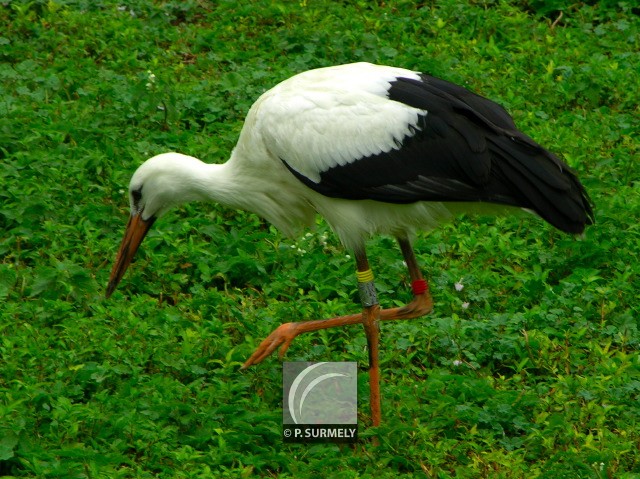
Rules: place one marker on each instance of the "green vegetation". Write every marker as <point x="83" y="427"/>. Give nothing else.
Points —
<point x="530" y="370"/>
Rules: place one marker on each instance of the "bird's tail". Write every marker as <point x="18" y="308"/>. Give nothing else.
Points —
<point x="543" y="182"/>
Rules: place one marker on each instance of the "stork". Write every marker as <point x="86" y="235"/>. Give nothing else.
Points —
<point x="374" y="150"/>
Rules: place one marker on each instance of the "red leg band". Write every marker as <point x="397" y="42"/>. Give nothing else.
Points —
<point x="419" y="286"/>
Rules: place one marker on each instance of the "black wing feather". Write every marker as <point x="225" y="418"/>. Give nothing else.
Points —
<point x="466" y="148"/>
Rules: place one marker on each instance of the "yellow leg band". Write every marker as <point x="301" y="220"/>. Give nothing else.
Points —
<point x="364" y="276"/>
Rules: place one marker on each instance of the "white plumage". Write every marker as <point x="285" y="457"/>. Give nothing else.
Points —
<point x="261" y="184"/>
<point x="332" y="116"/>
<point x="315" y="121"/>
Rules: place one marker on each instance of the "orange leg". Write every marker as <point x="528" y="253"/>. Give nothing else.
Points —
<point x="370" y="316"/>
<point x="371" y="322"/>
<point x="282" y="336"/>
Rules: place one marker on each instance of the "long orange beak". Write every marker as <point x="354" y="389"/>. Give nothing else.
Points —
<point x="137" y="229"/>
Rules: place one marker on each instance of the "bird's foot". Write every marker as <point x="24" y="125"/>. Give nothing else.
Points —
<point x="280" y="337"/>
<point x="421" y="305"/>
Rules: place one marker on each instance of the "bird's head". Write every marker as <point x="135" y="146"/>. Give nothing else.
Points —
<point x="159" y="184"/>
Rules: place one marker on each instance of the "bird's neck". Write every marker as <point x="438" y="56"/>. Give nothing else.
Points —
<point x="217" y="182"/>
<point x="227" y="183"/>
<point x="245" y="182"/>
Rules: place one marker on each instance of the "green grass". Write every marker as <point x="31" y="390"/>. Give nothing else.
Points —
<point x="531" y="370"/>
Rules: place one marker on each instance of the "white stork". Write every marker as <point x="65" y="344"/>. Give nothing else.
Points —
<point x="374" y="150"/>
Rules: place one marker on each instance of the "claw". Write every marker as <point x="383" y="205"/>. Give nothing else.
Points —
<point x="284" y="347"/>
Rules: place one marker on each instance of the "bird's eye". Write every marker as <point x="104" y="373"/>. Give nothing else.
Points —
<point x="136" y="196"/>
